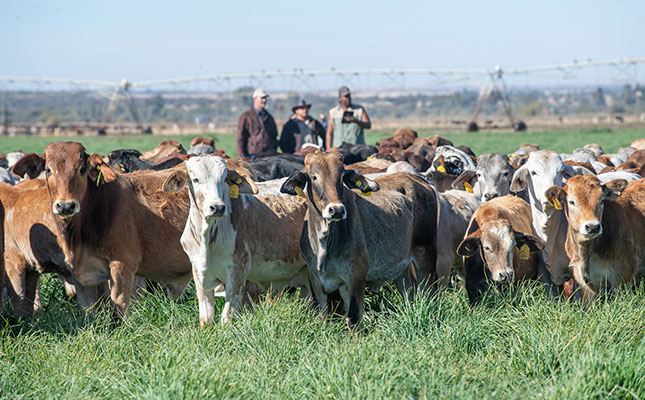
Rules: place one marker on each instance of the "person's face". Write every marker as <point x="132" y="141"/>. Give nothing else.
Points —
<point x="302" y="112"/>
<point x="259" y="103"/>
<point x="345" y="101"/>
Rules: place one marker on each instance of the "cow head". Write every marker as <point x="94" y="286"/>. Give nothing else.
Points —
<point x="491" y="178"/>
<point x="583" y="199"/>
<point x="542" y="170"/>
<point x="323" y="178"/>
<point x="495" y="241"/>
<point x="69" y="171"/>
<point x="210" y="183"/>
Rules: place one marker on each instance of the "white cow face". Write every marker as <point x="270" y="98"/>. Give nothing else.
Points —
<point x="210" y="184"/>
<point x="543" y="170"/>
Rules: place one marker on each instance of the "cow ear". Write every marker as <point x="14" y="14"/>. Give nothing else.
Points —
<point x="614" y="189"/>
<point x="556" y="196"/>
<point x="465" y="181"/>
<point x="520" y="179"/>
<point x="354" y="180"/>
<point x="570" y="171"/>
<point x="297" y="179"/>
<point x="30" y="164"/>
<point x="176" y="181"/>
<point x="469" y="246"/>
<point x="246" y="184"/>
<point x="97" y="169"/>
<point x="439" y="164"/>
<point x="534" y="243"/>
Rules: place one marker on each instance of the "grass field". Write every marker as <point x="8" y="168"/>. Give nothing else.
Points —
<point x="482" y="142"/>
<point x="514" y="345"/>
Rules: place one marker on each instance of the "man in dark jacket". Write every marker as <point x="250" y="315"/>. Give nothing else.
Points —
<point x="301" y="129"/>
<point x="256" y="130"/>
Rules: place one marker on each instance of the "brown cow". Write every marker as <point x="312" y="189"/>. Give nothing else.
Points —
<point x="114" y="226"/>
<point x="500" y="244"/>
<point x="606" y="235"/>
<point x="351" y="241"/>
<point x="31" y="244"/>
<point x="166" y="148"/>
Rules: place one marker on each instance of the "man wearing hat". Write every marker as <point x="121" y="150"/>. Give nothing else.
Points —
<point x="346" y="121"/>
<point x="301" y="129"/>
<point x="256" y="129"/>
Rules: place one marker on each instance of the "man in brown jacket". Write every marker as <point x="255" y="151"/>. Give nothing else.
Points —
<point x="256" y="129"/>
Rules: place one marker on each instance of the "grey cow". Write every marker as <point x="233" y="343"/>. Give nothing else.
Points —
<point x="491" y="178"/>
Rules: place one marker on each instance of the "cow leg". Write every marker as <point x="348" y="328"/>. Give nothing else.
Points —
<point x="206" y="300"/>
<point x="175" y="290"/>
<point x="122" y="284"/>
<point x="356" y="294"/>
<point x="425" y="261"/>
<point x="32" y="286"/>
<point x="16" y="287"/>
<point x="235" y="285"/>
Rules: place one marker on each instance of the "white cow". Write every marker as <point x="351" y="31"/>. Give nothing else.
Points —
<point x="231" y="237"/>
<point x="542" y="170"/>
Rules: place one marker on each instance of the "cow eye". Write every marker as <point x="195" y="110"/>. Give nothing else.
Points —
<point x="573" y="203"/>
<point x="533" y="173"/>
<point x="314" y="178"/>
<point x="195" y="180"/>
<point x="486" y="248"/>
<point x="505" y="173"/>
<point x="82" y="170"/>
<point x="48" y="171"/>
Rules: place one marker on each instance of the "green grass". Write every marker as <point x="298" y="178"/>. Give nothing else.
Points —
<point x="480" y="142"/>
<point x="514" y="345"/>
<point x="523" y="345"/>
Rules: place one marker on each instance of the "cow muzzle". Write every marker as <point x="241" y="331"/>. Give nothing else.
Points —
<point x="215" y="211"/>
<point x="504" y="275"/>
<point x="334" y="212"/>
<point x="66" y="209"/>
<point x="591" y="229"/>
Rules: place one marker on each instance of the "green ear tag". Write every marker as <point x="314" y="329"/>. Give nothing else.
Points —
<point x="358" y="184"/>
<point x="98" y="178"/>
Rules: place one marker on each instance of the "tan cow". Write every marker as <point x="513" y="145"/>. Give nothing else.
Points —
<point x="352" y="242"/>
<point x="500" y="245"/>
<point x="114" y="226"/>
<point x="606" y="235"/>
<point x="165" y="149"/>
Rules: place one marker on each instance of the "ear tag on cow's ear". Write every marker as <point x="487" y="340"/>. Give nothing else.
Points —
<point x="469" y="188"/>
<point x="524" y="252"/>
<point x="366" y="194"/>
<point x="358" y="184"/>
<point x="238" y="180"/>
<point x="233" y="191"/>
<point x="98" y="178"/>
<point x="556" y="203"/>
<point x="441" y="169"/>
<point x="300" y="192"/>
<point x="368" y="158"/>
<point x="122" y="168"/>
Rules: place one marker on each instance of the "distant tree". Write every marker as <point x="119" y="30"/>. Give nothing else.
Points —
<point x="599" y="98"/>
<point x="628" y="95"/>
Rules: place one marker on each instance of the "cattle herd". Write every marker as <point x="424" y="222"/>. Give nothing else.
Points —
<point x="331" y="224"/>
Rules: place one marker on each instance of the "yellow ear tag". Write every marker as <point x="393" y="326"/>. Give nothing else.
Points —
<point x="122" y="169"/>
<point x="358" y="184"/>
<point x="524" y="252"/>
<point x="441" y="168"/>
<point x="238" y="180"/>
<point x="556" y="203"/>
<point x="300" y="192"/>
<point x="366" y="194"/>
<point x="233" y="191"/>
<point x="98" y="178"/>
<point x="369" y="158"/>
<point x="469" y="188"/>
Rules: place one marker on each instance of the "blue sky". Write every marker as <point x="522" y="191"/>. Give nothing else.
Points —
<point x="146" y="40"/>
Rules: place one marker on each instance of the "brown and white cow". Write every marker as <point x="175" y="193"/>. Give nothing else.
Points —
<point x="351" y="241"/>
<point x="606" y="235"/>
<point x="231" y="237"/>
<point x="114" y="226"/>
<point x="500" y="246"/>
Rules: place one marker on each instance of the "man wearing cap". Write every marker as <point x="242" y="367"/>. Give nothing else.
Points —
<point x="346" y="121"/>
<point x="301" y="129"/>
<point x="256" y="129"/>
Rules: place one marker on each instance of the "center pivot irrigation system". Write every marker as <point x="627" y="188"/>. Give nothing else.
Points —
<point x="117" y="91"/>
